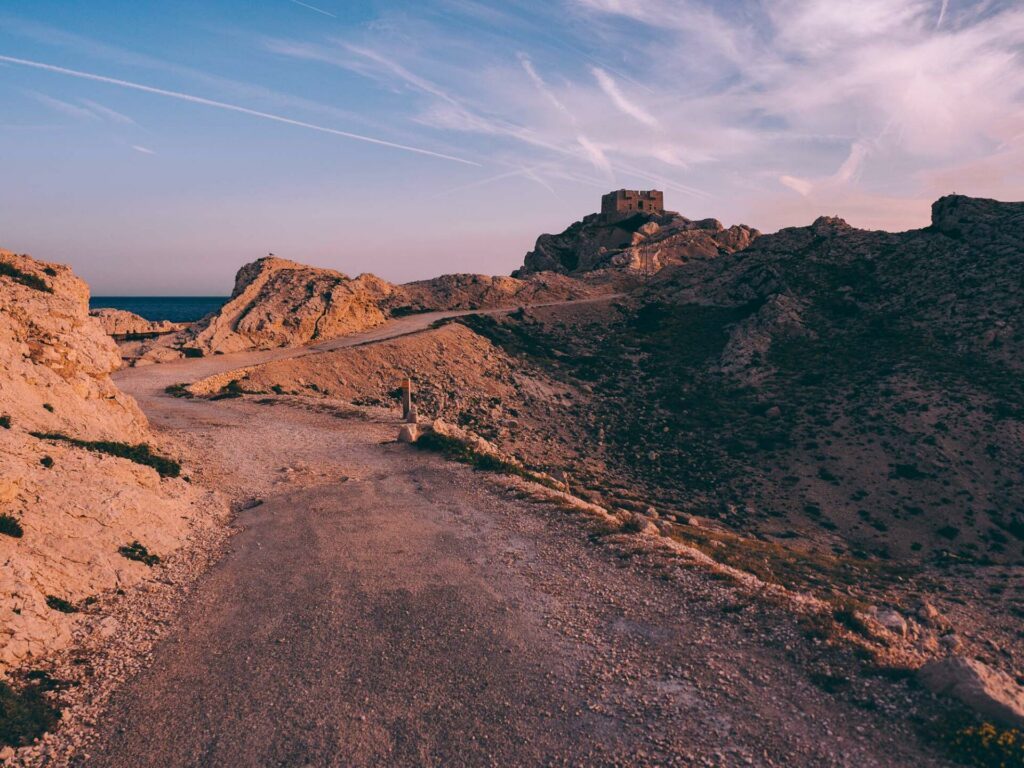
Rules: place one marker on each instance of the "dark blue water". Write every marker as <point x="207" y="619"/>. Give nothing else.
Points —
<point x="177" y="309"/>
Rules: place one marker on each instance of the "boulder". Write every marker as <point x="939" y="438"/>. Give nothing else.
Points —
<point x="989" y="692"/>
<point x="409" y="433"/>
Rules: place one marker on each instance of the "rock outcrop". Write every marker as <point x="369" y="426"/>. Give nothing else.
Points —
<point x="280" y="303"/>
<point x="644" y="242"/>
<point x="120" y="323"/>
<point x="989" y="692"/>
<point x="67" y="505"/>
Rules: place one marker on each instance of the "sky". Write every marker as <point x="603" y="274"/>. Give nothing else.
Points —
<point x="158" y="146"/>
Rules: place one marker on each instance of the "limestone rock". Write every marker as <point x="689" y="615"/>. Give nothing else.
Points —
<point x="645" y="242"/>
<point x="408" y="433"/>
<point x="990" y="692"/>
<point x="76" y="514"/>
<point x="119" y="323"/>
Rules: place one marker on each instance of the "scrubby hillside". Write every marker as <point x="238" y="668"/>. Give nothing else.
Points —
<point x="644" y="242"/>
<point x="860" y="389"/>
<point x="78" y="478"/>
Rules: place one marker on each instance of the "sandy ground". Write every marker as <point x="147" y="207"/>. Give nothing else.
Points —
<point x="384" y="607"/>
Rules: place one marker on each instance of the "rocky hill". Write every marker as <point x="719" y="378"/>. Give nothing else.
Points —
<point x="80" y="483"/>
<point x="834" y="409"/>
<point x="643" y="242"/>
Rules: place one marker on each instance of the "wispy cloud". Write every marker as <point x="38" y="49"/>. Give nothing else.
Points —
<point x="229" y="107"/>
<point x="618" y="98"/>
<point x="143" y="150"/>
<point x="107" y="113"/>
<point x="65" y="108"/>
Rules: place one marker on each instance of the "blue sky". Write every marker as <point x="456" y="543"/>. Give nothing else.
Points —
<point x="158" y="146"/>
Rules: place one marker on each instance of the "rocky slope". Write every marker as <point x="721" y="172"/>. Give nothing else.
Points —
<point x="644" y="242"/>
<point x="69" y="500"/>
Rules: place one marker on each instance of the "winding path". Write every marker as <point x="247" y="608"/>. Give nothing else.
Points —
<point x="382" y="607"/>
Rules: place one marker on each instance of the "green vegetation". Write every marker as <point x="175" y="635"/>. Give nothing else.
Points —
<point x="140" y="454"/>
<point x="60" y="604"/>
<point x="232" y="389"/>
<point x="10" y="526"/>
<point x="972" y="742"/>
<point x="789" y="567"/>
<point x="25" y="713"/>
<point x="47" y="462"/>
<point x="48" y="407"/>
<point x="25" y="278"/>
<point x="139" y="553"/>
<point x="5" y="421"/>
<point x="178" y="390"/>
<point x="456" y="450"/>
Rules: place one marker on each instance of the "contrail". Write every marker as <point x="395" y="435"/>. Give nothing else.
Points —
<point x="229" y="107"/>
<point x="942" y="13"/>
<point x="314" y="8"/>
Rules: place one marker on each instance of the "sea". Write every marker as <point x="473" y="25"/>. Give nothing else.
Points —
<point x="177" y="309"/>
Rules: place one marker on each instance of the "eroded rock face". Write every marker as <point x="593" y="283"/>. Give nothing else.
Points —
<point x="644" y="243"/>
<point x="280" y="303"/>
<point x="121" y="323"/>
<point x="74" y="507"/>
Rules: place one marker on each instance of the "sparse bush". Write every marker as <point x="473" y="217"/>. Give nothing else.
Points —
<point x="191" y="352"/>
<point x="46" y="461"/>
<point x="60" y="604"/>
<point x="25" y="278"/>
<point x="457" y="450"/>
<point x="178" y="390"/>
<point x="140" y="454"/>
<point x="5" y="421"/>
<point x="138" y="552"/>
<point x="48" y="407"/>
<point x="972" y="742"/>
<point x="232" y="389"/>
<point x="10" y="526"/>
<point x="25" y="714"/>
<point x="277" y="389"/>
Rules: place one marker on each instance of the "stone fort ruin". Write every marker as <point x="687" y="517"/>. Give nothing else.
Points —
<point x="625" y="202"/>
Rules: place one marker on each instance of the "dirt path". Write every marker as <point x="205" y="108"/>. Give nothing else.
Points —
<point x="383" y="607"/>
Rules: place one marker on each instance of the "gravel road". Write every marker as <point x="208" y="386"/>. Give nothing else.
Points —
<point x="383" y="607"/>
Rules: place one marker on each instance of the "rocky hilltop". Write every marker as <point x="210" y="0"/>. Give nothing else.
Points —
<point x="643" y="242"/>
<point x="79" y="482"/>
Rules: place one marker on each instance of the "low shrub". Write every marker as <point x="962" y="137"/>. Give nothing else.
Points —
<point x="5" y="421"/>
<point x="456" y="450"/>
<point x="25" y="278"/>
<point x="178" y="390"/>
<point x="46" y="461"/>
<point x="48" y="407"/>
<point x="138" y="552"/>
<point x="970" y="741"/>
<point x="140" y="454"/>
<point x="60" y="604"/>
<point x="25" y="713"/>
<point x="10" y="526"/>
<point x="232" y="389"/>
